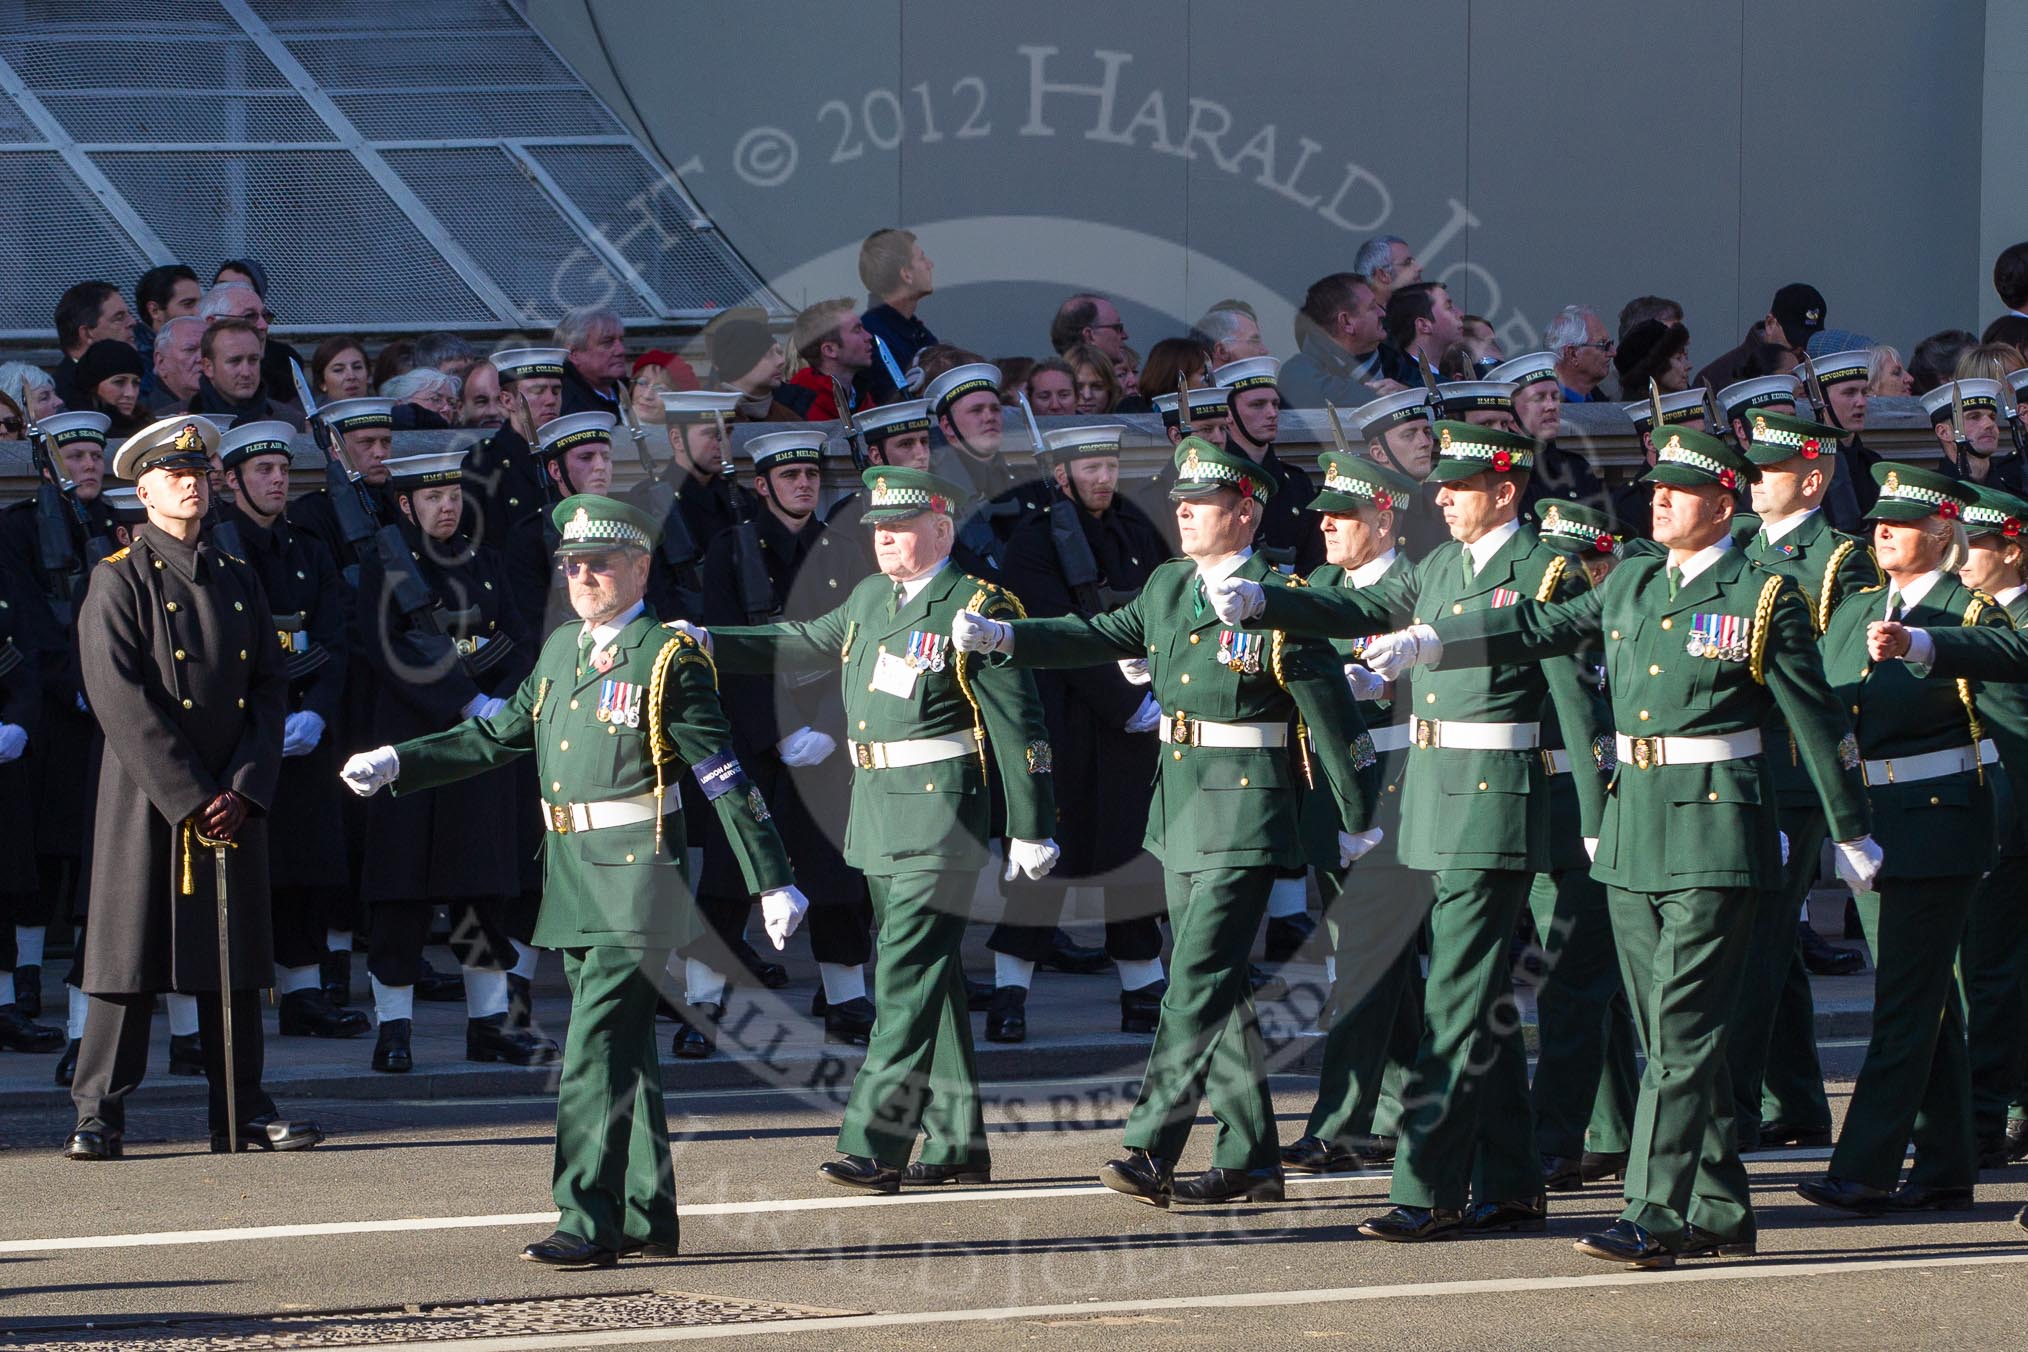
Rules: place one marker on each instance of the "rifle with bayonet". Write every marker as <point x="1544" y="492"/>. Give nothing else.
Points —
<point x="1958" y="434"/>
<point x="1814" y="388"/>
<point x="1066" y="530"/>
<point x="855" y="440"/>
<point x="1433" y="401"/>
<point x="1714" y="424"/>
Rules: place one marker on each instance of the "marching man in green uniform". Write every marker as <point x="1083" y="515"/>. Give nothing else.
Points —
<point x="1235" y="755"/>
<point x="1775" y="1073"/>
<point x="921" y="720"/>
<point x="1924" y="743"/>
<point x="1697" y="642"/>
<point x="640" y="705"/>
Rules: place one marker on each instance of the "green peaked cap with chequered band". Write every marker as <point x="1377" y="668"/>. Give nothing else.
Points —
<point x="1995" y="513"/>
<point x="591" y="524"/>
<point x="1910" y="493"/>
<point x="1352" y="482"/>
<point x="1774" y="437"/>
<point x="1574" y="528"/>
<point x="1690" y="459"/>
<point x="1465" y="449"/>
<point x="1203" y="468"/>
<point x="896" y="493"/>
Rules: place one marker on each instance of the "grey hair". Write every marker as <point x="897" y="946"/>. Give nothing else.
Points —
<point x="17" y="378"/>
<point x="217" y="302"/>
<point x="574" y="330"/>
<point x="1568" y="329"/>
<point x="434" y="349"/>
<point x="1375" y="254"/>
<point x="1221" y="323"/>
<point x="162" y="334"/>
<point x="411" y="383"/>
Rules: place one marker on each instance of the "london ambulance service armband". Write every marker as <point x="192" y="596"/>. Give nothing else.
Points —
<point x="719" y="775"/>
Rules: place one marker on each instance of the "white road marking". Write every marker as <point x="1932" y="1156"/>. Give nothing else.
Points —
<point x="692" y="1211"/>
<point x="1237" y="1301"/>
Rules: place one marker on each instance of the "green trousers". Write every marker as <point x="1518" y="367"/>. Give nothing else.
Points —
<point x="613" y="1181"/>
<point x="1585" y="1073"/>
<point x="1915" y="1083"/>
<point x="1993" y="983"/>
<point x="1207" y="1044"/>
<point x="1772" y="1056"/>
<point x="1682" y="955"/>
<point x="1466" y="1128"/>
<point x="919" y="1074"/>
<point x="1376" y="1025"/>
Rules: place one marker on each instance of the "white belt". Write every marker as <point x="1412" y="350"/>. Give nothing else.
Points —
<point x="915" y="751"/>
<point x="1929" y="765"/>
<point x="1556" y="761"/>
<point x="1644" y="753"/>
<point x="1181" y="728"/>
<point x="1476" y="736"/>
<point x="568" y="818"/>
<point x="1393" y="737"/>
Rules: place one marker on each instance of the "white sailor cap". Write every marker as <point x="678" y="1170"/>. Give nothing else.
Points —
<point x="268" y="436"/>
<point x="698" y="406"/>
<point x="1526" y="369"/>
<point x="559" y="436"/>
<point x="1079" y="443"/>
<point x="1975" y="393"/>
<point x="893" y="420"/>
<point x="1742" y="396"/>
<point x="1248" y="373"/>
<point x="960" y="381"/>
<point x="1476" y="396"/>
<point x="1835" y="368"/>
<point x="1376" y="416"/>
<point x="802" y="446"/>
<point x="430" y="470"/>
<point x="530" y="363"/>
<point x="352" y="415"/>
<point x="1682" y="406"/>
<point x="64" y="428"/>
<point x="1206" y="401"/>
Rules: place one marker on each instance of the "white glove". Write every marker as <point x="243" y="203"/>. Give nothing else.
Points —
<point x="1032" y="858"/>
<point x="301" y="732"/>
<point x="1365" y="683"/>
<point x="1353" y="847"/>
<point x="13" y="741"/>
<point x="367" y="771"/>
<point x="1235" y="599"/>
<point x="1392" y="654"/>
<point x="1146" y="718"/>
<point x="972" y="632"/>
<point x="1591" y="848"/>
<point x="1135" y="669"/>
<point x="1858" y="863"/>
<point x="1783" y="837"/>
<point x="701" y="636"/>
<point x="781" y="912"/>
<point x="806" y="746"/>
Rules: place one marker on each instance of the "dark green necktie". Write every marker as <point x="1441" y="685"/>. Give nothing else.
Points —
<point x="894" y="599"/>
<point x="1675" y="580"/>
<point x="1197" y="599"/>
<point x="1894" y="607"/>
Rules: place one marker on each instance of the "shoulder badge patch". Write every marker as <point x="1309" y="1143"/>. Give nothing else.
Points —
<point x="1041" y="760"/>
<point x="1848" y="752"/>
<point x="1363" y="753"/>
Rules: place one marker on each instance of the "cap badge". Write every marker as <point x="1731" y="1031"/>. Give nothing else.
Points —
<point x="1190" y="462"/>
<point x="1892" y="483"/>
<point x="188" y="439"/>
<point x="1444" y="438"/>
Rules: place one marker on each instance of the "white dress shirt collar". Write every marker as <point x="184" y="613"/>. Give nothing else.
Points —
<point x="1702" y="559"/>
<point x="1486" y="546"/>
<point x="1775" y="530"/>
<point x="1371" y="571"/>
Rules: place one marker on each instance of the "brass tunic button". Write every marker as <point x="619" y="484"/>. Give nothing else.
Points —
<point x="1196" y="638"/>
<point x="1654" y="669"/>
<point x="242" y="654"/>
<point x="555" y="786"/>
<point x="830" y="581"/>
<point x="563" y="746"/>
<point x="171" y="607"/>
<point x="241" y="703"/>
<point x="1855" y="710"/>
<point x="1185" y="678"/>
<point x="1482" y="786"/>
<point x="630" y="859"/>
<point x="573" y="704"/>
<point x="1936" y="802"/>
<point x="883" y="649"/>
<point x="862" y="725"/>
<point x="1712" y="797"/>
<point x="488" y="586"/>
<point x="188" y="705"/>
<point x="1390" y="788"/>
<point x="158" y="563"/>
<point x="1177" y="754"/>
<point x="870" y="688"/>
<point x="239" y="605"/>
<point x="1430" y="698"/>
<point x="1616" y="633"/>
<point x="1668" y="624"/>
<point x="182" y="656"/>
<point x="1244" y="781"/>
<point x="1644" y="715"/>
<point x="1457" y="608"/>
<point x="929" y="788"/>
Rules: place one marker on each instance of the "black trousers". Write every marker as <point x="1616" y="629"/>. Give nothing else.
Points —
<point x="114" y="1056"/>
<point x="481" y="931"/>
<point x="1032" y="912"/>
<point x="840" y="932"/>
<point x="303" y="920"/>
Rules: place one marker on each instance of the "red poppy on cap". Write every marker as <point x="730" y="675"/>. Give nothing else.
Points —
<point x="1811" y="449"/>
<point x="938" y="503"/>
<point x="1947" y="509"/>
<point x="2011" y="529"/>
<point x="1502" y="461"/>
<point x="1384" y="501"/>
<point x="1726" y="479"/>
<point x="1604" y="544"/>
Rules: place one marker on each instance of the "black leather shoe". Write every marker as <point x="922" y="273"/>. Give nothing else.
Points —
<point x="1286" y="935"/>
<point x="1007" y="1016"/>
<point x="857" y="1171"/>
<point x="924" y="1175"/>
<point x="28" y="991"/>
<point x="494" y="1039"/>
<point x="1599" y="1165"/>
<point x="1922" y="1197"/>
<point x="1231" y="1185"/>
<point x="1529" y="1215"/>
<point x="1826" y="959"/>
<point x="1561" y="1173"/>
<point x="1073" y="958"/>
<point x="1775" y="1135"/>
<point x="1627" y="1243"/>
<point x="1265" y="985"/>
<point x="849" y="1023"/>
<point x="645" y="1248"/>
<point x="770" y="974"/>
<point x="271" y="1133"/>
<point x="1844" y="1195"/>
<point x="439" y="987"/>
<point x="92" y="1144"/>
<point x="562" y="1250"/>
<point x="1375" y="1151"/>
<point x="521" y="1003"/>
<point x="2017" y="1138"/>
<point x="1993" y="1153"/>
<point x="19" y="1033"/>
<point x="1141" y="1010"/>
<point x="66" y="1065"/>
<point x="334" y="975"/>
<point x="391" y="1052"/>
<point x="186" y="1054"/>
<point x="1141" y="1176"/>
<point x="310" y="1013"/>
<point x="978" y="995"/>
<point x="1414" y="1224"/>
<point x="1701" y="1243"/>
<point x="699" y="1033"/>
<point x="1315" y="1155"/>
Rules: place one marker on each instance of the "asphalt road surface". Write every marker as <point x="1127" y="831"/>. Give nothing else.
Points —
<point x="403" y="1230"/>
